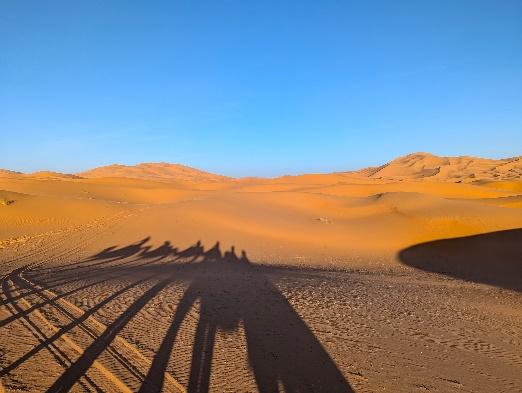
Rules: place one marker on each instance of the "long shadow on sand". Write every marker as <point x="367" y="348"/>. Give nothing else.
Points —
<point x="230" y="290"/>
<point x="493" y="258"/>
<point x="282" y="350"/>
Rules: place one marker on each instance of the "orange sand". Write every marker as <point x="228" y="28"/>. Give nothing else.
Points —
<point x="111" y="279"/>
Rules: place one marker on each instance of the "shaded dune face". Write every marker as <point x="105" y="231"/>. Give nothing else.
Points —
<point x="230" y="290"/>
<point x="493" y="258"/>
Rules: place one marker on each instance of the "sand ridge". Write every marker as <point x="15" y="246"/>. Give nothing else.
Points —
<point x="152" y="171"/>
<point x="463" y="168"/>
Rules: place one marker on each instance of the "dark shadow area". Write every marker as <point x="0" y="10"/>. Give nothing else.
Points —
<point x="493" y="258"/>
<point x="282" y="350"/>
<point x="230" y="290"/>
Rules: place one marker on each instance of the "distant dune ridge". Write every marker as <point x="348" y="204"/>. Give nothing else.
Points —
<point x="5" y="172"/>
<point x="153" y="171"/>
<point x="38" y="175"/>
<point x="53" y="175"/>
<point x="416" y="167"/>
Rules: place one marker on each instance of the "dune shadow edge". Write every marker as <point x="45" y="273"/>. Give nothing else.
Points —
<point x="493" y="258"/>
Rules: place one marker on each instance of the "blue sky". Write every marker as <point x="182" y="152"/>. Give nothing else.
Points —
<point x="257" y="87"/>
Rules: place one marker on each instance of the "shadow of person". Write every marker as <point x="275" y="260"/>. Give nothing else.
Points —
<point x="160" y="253"/>
<point x="282" y="350"/>
<point x="493" y="258"/>
<point x="213" y="254"/>
<point x="190" y="254"/>
<point x="230" y="256"/>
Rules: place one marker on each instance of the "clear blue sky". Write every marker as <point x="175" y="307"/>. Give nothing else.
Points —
<point x="257" y="87"/>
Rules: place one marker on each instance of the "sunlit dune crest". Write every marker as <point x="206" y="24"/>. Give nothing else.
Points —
<point x="152" y="171"/>
<point x="463" y="168"/>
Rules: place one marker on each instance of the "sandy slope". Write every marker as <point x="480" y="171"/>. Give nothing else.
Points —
<point x="464" y="168"/>
<point x="393" y="327"/>
<point x="295" y="221"/>
<point x="153" y="171"/>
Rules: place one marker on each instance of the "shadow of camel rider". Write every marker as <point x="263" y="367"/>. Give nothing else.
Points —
<point x="282" y="350"/>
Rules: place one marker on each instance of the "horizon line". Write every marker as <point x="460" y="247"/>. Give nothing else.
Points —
<point x="129" y="165"/>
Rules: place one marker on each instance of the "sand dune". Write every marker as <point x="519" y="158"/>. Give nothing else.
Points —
<point x="52" y="175"/>
<point x="409" y="266"/>
<point x="5" y="173"/>
<point x="425" y="165"/>
<point x="415" y="166"/>
<point x="44" y="175"/>
<point x="153" y="171"/>
<point x="315" y="219"/>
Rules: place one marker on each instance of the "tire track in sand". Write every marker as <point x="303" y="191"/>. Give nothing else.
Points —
<point x="44" y="245"/>
<point x="88" y="234"/>
<point x="62" y="353"/>
<point x="122" y="365"/>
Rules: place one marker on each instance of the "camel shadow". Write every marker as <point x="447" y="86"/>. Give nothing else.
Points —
<point x="282" y="350"/>
<point x="493" y="258"/>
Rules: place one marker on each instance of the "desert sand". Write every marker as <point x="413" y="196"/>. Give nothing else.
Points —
<point x="403" y="277"/>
